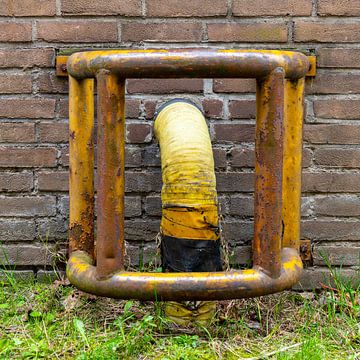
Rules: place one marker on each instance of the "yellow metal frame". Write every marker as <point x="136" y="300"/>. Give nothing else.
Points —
<point x="280" y="88"/>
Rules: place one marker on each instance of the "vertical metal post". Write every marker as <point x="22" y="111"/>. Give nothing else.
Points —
<point x="268" y="172"/>
<point x="110" y="170"/>
<point x="81" y="144"/>
<point x="293" y="124"/>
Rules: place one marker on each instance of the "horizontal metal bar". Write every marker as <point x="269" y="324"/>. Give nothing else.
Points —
<point x="176" y="63"/>
<point x="183" y="286"/>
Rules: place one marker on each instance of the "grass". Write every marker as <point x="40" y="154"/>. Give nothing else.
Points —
<point x="56" y="321"/>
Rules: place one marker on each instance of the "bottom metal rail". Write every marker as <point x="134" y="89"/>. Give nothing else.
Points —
<point x="184" y="286"/>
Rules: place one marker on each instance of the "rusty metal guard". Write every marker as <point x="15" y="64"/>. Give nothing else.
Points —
<point x="278" y="143"/>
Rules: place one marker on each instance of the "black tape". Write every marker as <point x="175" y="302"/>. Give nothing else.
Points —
<point x="186" y="255"/>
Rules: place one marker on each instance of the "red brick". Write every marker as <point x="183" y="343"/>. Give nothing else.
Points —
<point x="27" y="157"/>
<point x="26" y="58"/>
<point x="63" y="111"/>
<point x="325" y="31"/>
<point x="15" y="84"/>
<point x="234" y="85"/>
<point x="28" y="206"/>
<point x="64" y="156"/>
<point x="332" y="134"/>
<point x="53" y="181"/>
<point x="132" y="108"/>
<point x="19" y="229"/>
<point x="186" y="8"/>
<point x="137" y="133"/>
<point x="339" y="7"/>
<point x="52" y="84"/>
<point x="53" y="132"/>
<point x="252" y="32"/>
<point x="330" y="230"/>
<point x="15" y="31"/>
<point x="150" y="107"/>
<point x="18" y="181"/>
<point x="242" y="109"/>
<point x="242" y="157"/>
<point x="338" y="57"/>
<point x="272" y="8"/>
<point x="77" y="31"/>
<point x="109" y="7"/>
<point x="234" y="132"/>
<point x="344" y="158"/>
<point x="339" y="83"/>
<point x="213" y="108"/>
<point x="219" y="157"/>
<point x="28" y="8"/>
<point x="165" y="32"/>
<point x="164" y="86"/>
<point x="337" y="109"/>
<point x="336" y="255"/>
<point x="27" y="108"/>
<point x="340" y="205"/>
<point x="331" y="182"/>
<point x="17" y="132"/>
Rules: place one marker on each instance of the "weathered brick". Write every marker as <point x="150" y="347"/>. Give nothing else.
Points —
<point x="28" y="206"/>
<point x="165" y="32"/>
<point x="242" y="157"/>
<point x="132" y="108"/>
<point x="53" y="181"/>
<point x="219" y="157"/>
<point x="240" y="255"/>
<point x="132" y="157"/>
<point x="332" y="134"/>
<point x="17" y="132"/>
<point x="338" y="57"/>
<point x="53" y="132"/>
<point x="52" y="84"/>
<point x="238" y="232"/>
<point x="18" y="181"/>
<point x="337" y="109"/>
<point x="30" y="255"/>
<point x="110" y="7"/>
<point x="164" y="86"/>
<point x="340" y="205"/>
<point x="132" y="206"/>
<point x="235" y="182"/>
<point x="26" y="58"/>
<point x="137" y="133"/>
<point x="272" y="8"/>
<point x="339" y="83"/>
<point x="63" y="110"/>
<point x="27" y="108"/>
<point x="77" y="31"/>
<point x="142" y="182"/>
<point x="234" y="132"/>
<point x="150" y="156"/>
<point x="252" y="32"/>
<point x="330" y="230"/>
<point x="15" y="31"/>
<point x="15" y="84"/>
<point x="64" y="156"/>
<point x="242" y="109"/>
<point x="241" y="205"/>
<point x="16" y="229"/>
<point x="331" y="182"/>
<point x="150" y="107"/>
<point x="19" y="275"/>
<point x="234" y="85"/>
<point x="153" y="205"/>
<point x="142" y="254"/>
<point x="339" y="7"/>
<point x="336" y="255"/>
<point x="49" y="276"/>
<point x="141" y="230"/>
<point x="213" y="108"/>
<point x="28" y="8"/>
<point x="53" y="229"/>
<point x="185" y="8"/>
<point x="345" y="158"/>
<point x="27" y="157"/>
<point x="338" y="31"/>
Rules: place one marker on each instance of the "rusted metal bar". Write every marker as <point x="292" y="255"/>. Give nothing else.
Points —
<point x="184" y="286"/>
<point x="81" y="142"/>
<point x="198" y="63"/>
<point x="268" y="172"/>
<point x="293" y="123"/>
<point x="111" y="173"/>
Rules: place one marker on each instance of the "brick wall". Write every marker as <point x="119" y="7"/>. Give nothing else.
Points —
<point x="34" y="118"/>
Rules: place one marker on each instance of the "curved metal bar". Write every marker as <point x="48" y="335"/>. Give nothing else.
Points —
<point x="195" y="63"/>
<point x="183" y="286"/>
